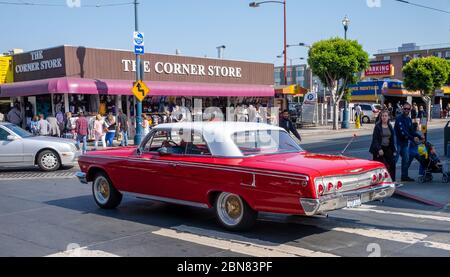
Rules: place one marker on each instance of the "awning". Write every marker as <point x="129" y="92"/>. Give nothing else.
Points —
<point x="295" y="90"/>
<point x="123" y="87"/>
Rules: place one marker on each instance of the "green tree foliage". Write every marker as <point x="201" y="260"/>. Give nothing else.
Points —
<point x="338" y="63"/>
<point x="426" y="74"/>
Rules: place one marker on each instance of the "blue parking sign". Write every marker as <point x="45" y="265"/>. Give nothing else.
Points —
<point x="139" y="50"/>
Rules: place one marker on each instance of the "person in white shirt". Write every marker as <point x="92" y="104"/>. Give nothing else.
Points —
<point x="43" y="127"/>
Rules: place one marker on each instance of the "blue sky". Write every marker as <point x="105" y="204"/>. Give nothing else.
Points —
<point x="196" y="27"/>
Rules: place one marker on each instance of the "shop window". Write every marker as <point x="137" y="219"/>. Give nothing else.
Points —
<point x="447" y="54"/>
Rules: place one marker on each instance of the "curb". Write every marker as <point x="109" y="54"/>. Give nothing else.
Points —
<point x="419" y="199"/>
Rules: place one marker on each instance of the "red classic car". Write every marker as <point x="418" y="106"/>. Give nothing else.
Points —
<point x="239" y="169"/>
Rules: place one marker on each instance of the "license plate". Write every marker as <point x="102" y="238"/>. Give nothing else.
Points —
<point x="354" y="202"/>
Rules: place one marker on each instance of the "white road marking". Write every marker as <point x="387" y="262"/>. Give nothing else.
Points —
<point x="237" y="243"/>
<point x="82" y="252"/>
<point x="367" y="208"/>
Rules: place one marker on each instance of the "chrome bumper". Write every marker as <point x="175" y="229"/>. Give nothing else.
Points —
<point x="338" y="201"/>
<point x="70" y="158"/>
<point x="82" y="177"/>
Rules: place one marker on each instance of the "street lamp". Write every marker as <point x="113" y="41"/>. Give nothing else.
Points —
<point x="220" y="50"/>
<point x="346" y="23"/>
<point x="302" y="44"/>
<point x="258" y="4"/>
<point x="346" y="114"/>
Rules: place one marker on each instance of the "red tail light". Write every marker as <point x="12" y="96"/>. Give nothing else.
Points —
<point x="339" y="185"/>
<point x="330" y="186"/>
<point x="321" y="189"/>
<point x="374" y="179"/>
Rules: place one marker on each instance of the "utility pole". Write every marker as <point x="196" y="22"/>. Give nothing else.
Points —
<point x="138" y="113"/>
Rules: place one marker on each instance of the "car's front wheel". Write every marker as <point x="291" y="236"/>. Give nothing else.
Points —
<point x="105" y="194"/>
<point x="48" y="160"/>
<point x="234" y="213"/>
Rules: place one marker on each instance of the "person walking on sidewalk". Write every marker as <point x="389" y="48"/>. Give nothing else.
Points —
<point x="110" y="123"/>
<point x="287" y="124"/>
<point x="99" y="131"/>
<point x="383" y="146"/>
<point x="123" y="128"/>
<point x="404" y="134"/>
<point x="43" y="126"/>
<point x="81" y="128"/>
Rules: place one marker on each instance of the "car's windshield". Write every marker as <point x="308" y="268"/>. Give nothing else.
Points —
<point x="263" y="142"/>
<point x="19" y="131"/>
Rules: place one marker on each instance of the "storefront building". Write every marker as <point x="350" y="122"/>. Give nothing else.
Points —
<point x="72" y="79"/>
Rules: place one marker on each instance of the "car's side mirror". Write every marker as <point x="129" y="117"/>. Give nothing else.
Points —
<point x="11" y="138"/>
<point x="163" y="151"/>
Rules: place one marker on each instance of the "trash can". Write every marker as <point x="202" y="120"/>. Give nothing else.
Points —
<point x="446" y="138"/>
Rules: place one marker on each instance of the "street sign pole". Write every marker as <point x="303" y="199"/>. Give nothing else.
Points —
<point x="139" y="131"/>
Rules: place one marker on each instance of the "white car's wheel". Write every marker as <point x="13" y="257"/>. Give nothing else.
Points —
<point x="105" y="194"/>
<point x="366" y="120"/>
<point x="233" y="212"/>
<point x="48" y="160"/>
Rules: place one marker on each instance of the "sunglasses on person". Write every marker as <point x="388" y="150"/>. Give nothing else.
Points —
<point x="407" y="109"/>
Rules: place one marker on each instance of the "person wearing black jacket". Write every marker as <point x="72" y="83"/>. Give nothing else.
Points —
<point x="383" y="146"/>
<point x="288" y="125"/>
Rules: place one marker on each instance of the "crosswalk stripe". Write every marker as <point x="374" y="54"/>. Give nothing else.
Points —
<point x="383" y="234"/>
<point x="237" y="243"/>
<point x="366" y="208"/>
<point x="82" y="252"/>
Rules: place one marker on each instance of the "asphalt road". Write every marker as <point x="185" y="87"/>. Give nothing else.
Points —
<point x="46" y="215"/>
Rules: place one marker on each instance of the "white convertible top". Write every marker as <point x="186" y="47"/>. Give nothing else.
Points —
<point x="218" y="135"/>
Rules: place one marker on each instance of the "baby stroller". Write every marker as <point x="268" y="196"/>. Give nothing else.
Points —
<point x="430" y="163"/>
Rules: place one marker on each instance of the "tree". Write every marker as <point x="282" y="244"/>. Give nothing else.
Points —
<point x="448" y="69"/>
<point x="426" y="75"/>
<point x="338" y="63"/>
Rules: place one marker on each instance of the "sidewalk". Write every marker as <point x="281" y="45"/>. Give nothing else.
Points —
<point x="365" y="129"/>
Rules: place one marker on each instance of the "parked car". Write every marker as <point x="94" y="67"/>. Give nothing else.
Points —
<point x="239" y="169"/>
<point x="19" y="148"/>
<point x="370" y="112"/>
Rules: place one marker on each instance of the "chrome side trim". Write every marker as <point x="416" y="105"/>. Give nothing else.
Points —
<point x="165" y="199"/>
<point x="269" y="173"/>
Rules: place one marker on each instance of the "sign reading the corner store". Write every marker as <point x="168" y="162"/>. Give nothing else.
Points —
<point x="38" y="63"/>
<point x="185" y="69"/>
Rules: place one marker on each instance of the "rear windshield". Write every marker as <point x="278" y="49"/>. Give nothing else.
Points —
<point x="265" y="142"/>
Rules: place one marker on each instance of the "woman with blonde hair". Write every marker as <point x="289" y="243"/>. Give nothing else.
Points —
<point x="99" y="131"/>
<point x="145" y="125"/>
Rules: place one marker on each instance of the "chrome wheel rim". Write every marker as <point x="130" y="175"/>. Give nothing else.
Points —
<point x="49" y="161"/>
<point x="101" y="190"/>
<point x="230" y="209"/>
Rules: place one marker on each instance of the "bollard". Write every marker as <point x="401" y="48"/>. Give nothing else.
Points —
<point x="358" y="122"/>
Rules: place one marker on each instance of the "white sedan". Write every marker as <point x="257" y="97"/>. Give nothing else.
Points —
<point x="19" y="148"/>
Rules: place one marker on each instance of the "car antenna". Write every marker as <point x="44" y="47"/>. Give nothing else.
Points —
<point x="348" y="145"/>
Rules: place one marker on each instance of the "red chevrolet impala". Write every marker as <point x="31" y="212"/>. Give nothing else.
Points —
<point x="239" y="169"/>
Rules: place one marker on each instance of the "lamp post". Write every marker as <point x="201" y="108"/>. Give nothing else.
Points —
<point x="220" y="50"/>
<point x="346" y="113"/>
<point x="256" y="5"/>
<point x="139" y="129"/>
<point x="302" y="44"/>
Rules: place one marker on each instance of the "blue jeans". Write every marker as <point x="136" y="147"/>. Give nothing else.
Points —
<point x="403" y="152"/>
<point x="83" y="139"/>
<point x="124" y="141"/>
<point x="110" y="138"/>
<point x="417" y="157"/>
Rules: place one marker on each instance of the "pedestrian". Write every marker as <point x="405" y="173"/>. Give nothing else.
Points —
<point x="414" y="148"/>
<point x="123" y="127"/>
<point x="99" y="133"/>
<point x="110" y="124"/>
<point x="68" y="127"/>
<point x="60" y="121"/>
<point x="391" y="111"/>
<point x="358" y="113"/>
<point x="414" y="112"/>
<point x="145" y="125"/>
<point x="43" y="126"/>
<point x="383" y="146"/>
<point x="54" y="128"/>
<point x="14" y="116"/>
<point x="286" y="123"/>
<point x="81" y="129"/>
<point x="404" y="134"/>
<point x="34" y="126"/>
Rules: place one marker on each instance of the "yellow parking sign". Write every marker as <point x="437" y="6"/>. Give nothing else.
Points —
<point x="140" y="90"/>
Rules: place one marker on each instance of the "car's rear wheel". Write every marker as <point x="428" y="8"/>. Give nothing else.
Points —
<point x="48" y="160"/>
<point x="105" y="194"/>
<point x="366" y="119"/>
<point x="233" y="212"/>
